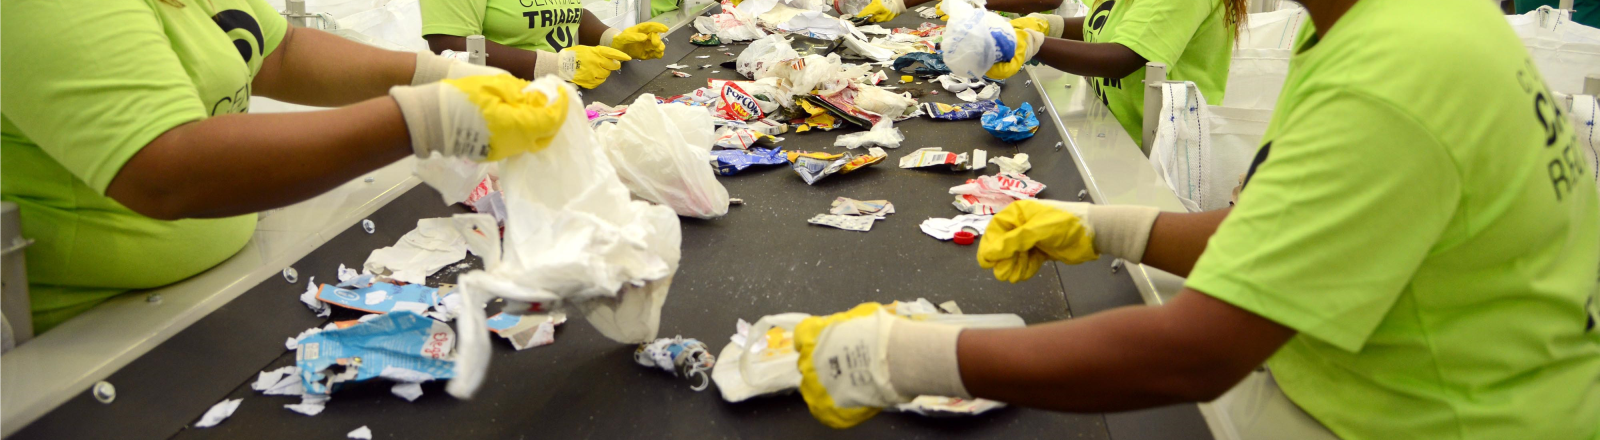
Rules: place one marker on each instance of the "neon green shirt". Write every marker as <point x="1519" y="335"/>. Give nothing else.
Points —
<point x="1420" y="214"/>
<point x="547" y="25"/>
<point x="1191" y="37"/>
<point x="87" y="85"/>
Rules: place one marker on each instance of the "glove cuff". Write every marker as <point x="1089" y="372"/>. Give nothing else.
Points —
<point x="1035" y="41"/>
<point x="610" y="34"/>
<point x="1122" y="230"/>
<point x="415" y="102"/>
<point x="1057" y="23"/>
<point x="922" y="360"/>
<point x="548" y="63"/>
<point x="895" y="6"/>
<point x="430" y="68"/>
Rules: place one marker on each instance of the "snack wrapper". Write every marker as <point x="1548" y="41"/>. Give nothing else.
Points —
<point x="403" y="340"/>
<point x="932" y="156"/>
<point x="958" y="112"/>
<point x="730" y="162"/>
<point x="1011" y="125"/>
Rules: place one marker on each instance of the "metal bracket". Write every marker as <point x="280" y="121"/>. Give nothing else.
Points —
<point x="477" y="53"/>
<point x="1155" y="74"/>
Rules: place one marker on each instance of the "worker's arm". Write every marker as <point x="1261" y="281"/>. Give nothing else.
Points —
<point x="1177" y="239"/>
<point x="1100" y="60"/>
<point x="242" y="163"/>
<point x="301" y="70"/>
<point x="517" y="61"/>
<point x="1190" y="350"/>
<point x="1072" y="28"/>
<point x="591" y="29"/>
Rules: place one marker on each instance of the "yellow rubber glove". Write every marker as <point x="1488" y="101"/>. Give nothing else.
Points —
<point x="939" y="8"/>
<point x="484" y="118"/>
<point x="1028" y="43"/>
<point x="1027" y="232"/>
<point x="844" y="365"/>
<point x="588" y="66"/>
<point x="880" y="11"/>
<point x="642" y="41"/>
<point x="1037" y="24"/>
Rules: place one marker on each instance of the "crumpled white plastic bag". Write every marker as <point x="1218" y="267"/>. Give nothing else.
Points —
<point x="433" y="245"/>
<point x="572" y="235"/>
<point x="883" y="134"/>
<point x="975" y="39"/>
<point x="763" y="54"/>
<point x="660" y="151"/>
<point x="733" y="24"/>
<point x="453" y="177"/>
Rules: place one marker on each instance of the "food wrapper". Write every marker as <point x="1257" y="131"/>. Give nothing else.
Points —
<point x="730" y="162"/>
<point x="841" y="106"/>
<point x="743" y="138"/>
<point x="681" y="74"/>
<point x="932" y="64"/>
<point x="849" y="206"/>
<point x="737" y="104"/>
<point x="812" y="169"/>
<point x="1011" y="125"/>
<point x="846" y="222"/>
<point x="526" y="331"/>
<point x="704" y="40"/>
<point x="796" y="155"/>
<point x="933" y="156"/>
<point x="818" y="118"/>
<point x="403" y="341"/>
<point x="873" y="156"/>
<point x="958" y="112"/>
<point x="381" y="297"/>
<point x="935" y="406"/>
<point x="990" y="194"/>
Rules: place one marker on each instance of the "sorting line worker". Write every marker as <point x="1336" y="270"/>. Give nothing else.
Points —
<point x="534" y="38"/>
<point x="1413" y="255"/>
<point x="130" y="154"/>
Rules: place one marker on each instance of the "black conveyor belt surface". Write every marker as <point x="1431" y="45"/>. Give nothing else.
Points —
<point x="762" y="258"/>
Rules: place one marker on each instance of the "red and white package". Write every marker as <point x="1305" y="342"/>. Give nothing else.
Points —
<point x="990" y="194"/>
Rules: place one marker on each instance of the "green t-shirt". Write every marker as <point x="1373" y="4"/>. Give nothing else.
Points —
<point x="1191" y="37"/>
<point x="547" y="25"/>
<point x="1421" y="214"/>
<point x="658" y="7"/>
<point x="87" y="85"/>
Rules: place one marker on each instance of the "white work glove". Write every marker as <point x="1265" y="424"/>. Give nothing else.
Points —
<point x="433" y="68"/>
<point x="846" y="375"/>
<point x="479" y="117"/>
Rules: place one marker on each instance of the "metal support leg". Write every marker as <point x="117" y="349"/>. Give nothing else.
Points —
<point x="1154" y="75"/>
<point x="296" y="13"/>
<point x="1591" y="85"/>
<point x="14" y="301"/>
<point x="1566" y="5"/>
<point x="476" y="52"/>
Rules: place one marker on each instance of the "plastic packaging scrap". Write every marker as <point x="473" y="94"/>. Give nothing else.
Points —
<point x="813" y="167"/>
<point x="990" y="194"/>
<point x="383" y="297"/>
<point x="975" y="39"/>
<point x="744" y="100"/>
<point x="362" y="433"/>
<point x="988" y="93"/>
<point x="309" y="298"/>
<point x="816" y="24"/>
<point x="393" y="345"/>
<point x="817" y="118"/>
<point x="960" y="84"/>
<point x="704" y="40"/>
<point x="935" y="406"/>
<point x="932" y="64"/>
<point x="883" y="134"/>
<point x="845" y="222"/>
<point x="946" y="228"/>
<point x="486" y="198"/>
<point x="763" y="54"/>
<point x="933" y="156"/>
<point x="681" y="74"/>
<point x="1011" y="125"/>
<point x="280" y="382"/>
<point x="730" y="162"/>
<point x="453" y="177"/>
<point x="659" y="151"/>
<point x="729" y="26"/>
<point x="573" y="238"/>
<point x="743" y="138"/>
<point x="1015" y="164"/>
<point x="872" y="208"/>
<point x="685" y="358"/>
<point x="433" y="245"/>
<point x="219" y="412"/>
<point x="527" y="331"/>
<point x="958" y="112"/>
<point x="761" y="359"/>
<point x="677" y="66"/>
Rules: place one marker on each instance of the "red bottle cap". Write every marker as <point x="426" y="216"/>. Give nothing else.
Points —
<point x="964" y="238"/>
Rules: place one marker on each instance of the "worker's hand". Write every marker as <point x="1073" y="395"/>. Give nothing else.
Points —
<point x="588" y="66"/>
<point x="939" y="9"/>
<point x="844" y="365"/>
<point x="1028" y="43"/>
<point x="1028" y="232"/>
<point x="880" y="11"/>
<point x="642" y="41"/>
<point x="483" y="118"/>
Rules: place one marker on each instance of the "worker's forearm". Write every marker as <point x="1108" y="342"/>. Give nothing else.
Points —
<point x="243" y="163"/>
<point x="1190" y="350"/>
<point x="519" y="62"/>
<point x="1100" y="60"/>
<point x="1177" y="239"/>
<point x="590" y="29"/>
<point x="1072" y="28"/>
<point x="317" y="68"/>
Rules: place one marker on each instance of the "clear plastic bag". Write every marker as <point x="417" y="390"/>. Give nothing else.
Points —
<point x="763" y="54"/>
<point x="660" y="153"/>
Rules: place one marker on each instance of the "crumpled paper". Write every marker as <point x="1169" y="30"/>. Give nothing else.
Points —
<point x="219" y="412"/>
<point x="433" y="245"/>
<point x="1015" y="164"/>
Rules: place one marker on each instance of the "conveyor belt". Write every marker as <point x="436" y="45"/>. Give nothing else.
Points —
<point x="762" y="258"/>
